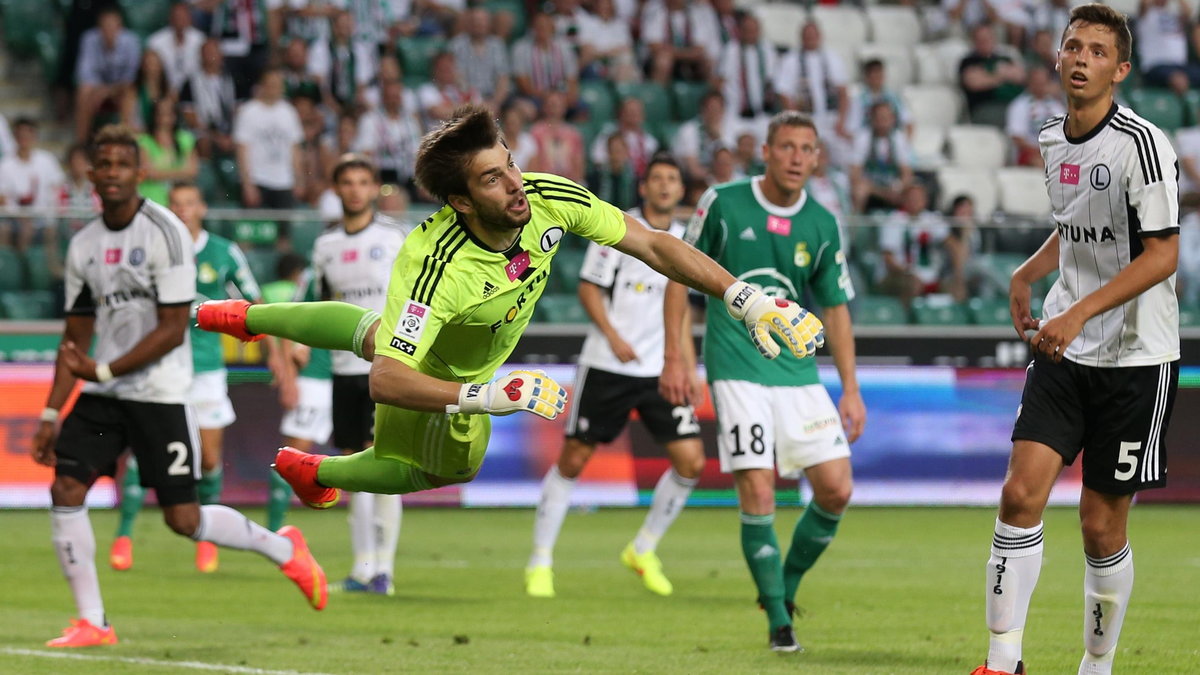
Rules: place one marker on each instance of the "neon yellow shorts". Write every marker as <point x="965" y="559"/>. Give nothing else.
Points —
<point x="440" y="444"/>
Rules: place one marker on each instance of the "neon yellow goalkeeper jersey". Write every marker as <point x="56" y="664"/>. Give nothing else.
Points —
<point x="455" y="308"/>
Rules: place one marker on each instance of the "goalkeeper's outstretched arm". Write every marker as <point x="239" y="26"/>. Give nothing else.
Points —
<point x="396" y="384"/>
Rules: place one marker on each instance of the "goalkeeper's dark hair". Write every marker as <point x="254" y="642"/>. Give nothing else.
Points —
<point x="446" y="151"/>
<point x="1103" y="15"/>
<point x="115" y="134"/>
<point x="789" y="118"/>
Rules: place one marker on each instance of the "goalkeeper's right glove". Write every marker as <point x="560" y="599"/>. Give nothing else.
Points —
<point x="529" y="390"/>
<point x="799" y="330"/>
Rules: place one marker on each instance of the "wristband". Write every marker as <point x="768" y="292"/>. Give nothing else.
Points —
<point x="49" y="415"/>
<point x="103" y="372"/>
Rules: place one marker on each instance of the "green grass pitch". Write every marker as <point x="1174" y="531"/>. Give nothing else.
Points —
<point x="899" y="591"/>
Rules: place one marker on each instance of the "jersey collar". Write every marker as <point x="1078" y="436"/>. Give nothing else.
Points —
<point x="1095" y="130"/>
<point x="773" y="209"/>
<point x="201" y="241"/>
<point x="510" y="252"/>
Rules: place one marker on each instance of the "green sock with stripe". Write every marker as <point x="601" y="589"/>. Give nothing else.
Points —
<point x="363" y="472"/>
<point x="209" y="487"/>
<point x="324" y="325"/>
<point x="761" y="549"/>
<point x="811" y="537"/>
<point x="278" y="501"/>
<point x="132" y="497"/>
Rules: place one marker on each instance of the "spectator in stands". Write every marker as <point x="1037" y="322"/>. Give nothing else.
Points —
<point x="615" y="181"/>
<point x="77" y="189"/>
<point x="882" y="165"/>
<point x="267" y="132"/>
<point x="109" y="56"/>
<point x="207" y="103"/>
<point x="874" y="90"/>
<point x="339" y="142"/>
<point x="8" y="144"/>
<point x="542" y="63"/>
<point x="312" y="156"/>
<point x="912" y="242"/>
<point x="630" y="124"/>
<point x="569" y="18"/>
<point x="32" y="177"/>
<point x="297" y="80"/>
<point x="606" y="47"/>
<point x="830" y="186"/>
<point x="437" y="17"/>
<point x="745" y="70"/>
<point x="445" y="92"/>
<point x="308" y="20"/>
<point x="728" y="17"/>
<point x="989" y="77"/>
<point x="514" y="123"/>
<point x="813" y="79"/>
<point x="482" y="59"/>
<point x="966" y="277"/>
<point x="1043" y="49"/>
<point x="380" y="22"/>
<point x="682" y="39"/>
<point x="343" y="66"/>
<point x="151" y="86"/>
<point x="1014" y="15"/>
<point x="390" y="136"/>
<point x="1162" y="43"/>
<point x="559" y="144"/>
<point x="748" y="153"/>
<point x="724" y="167"/>
<point x="1027" y="113"/>
<point x="168" y="153"/>
<point x="1050" y="15"/>
<point x="178" y="45"/>
<point x="247" y="32"/>
<point x="697" y="139"/>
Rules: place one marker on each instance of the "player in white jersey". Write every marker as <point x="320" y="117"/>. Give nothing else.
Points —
<point x="130" y="280"/>
<point x="352" y="262"/>
<point x="618" y="373"/>
<point x="1106" y="353"/>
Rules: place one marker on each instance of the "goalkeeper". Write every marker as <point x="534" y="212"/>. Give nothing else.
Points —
<point x="461" y="293"/>
<point x="771" y="233"/>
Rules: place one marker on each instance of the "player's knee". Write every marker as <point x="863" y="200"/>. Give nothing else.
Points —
<point x="1101" y="535"/>
<point x="834" y="499"/>
<point x="1017" y="502"/>
<point x="67" y="491"/>
<point x="208" y="463"/>
<point x="182" y="521"/>
<point x="574" y="457"/>
<point x="690" y="467"/>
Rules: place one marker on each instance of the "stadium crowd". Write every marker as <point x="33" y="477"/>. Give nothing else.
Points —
<point x="256" y="99"/>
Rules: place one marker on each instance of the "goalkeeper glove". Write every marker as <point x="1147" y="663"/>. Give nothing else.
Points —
<point x="530" y="390"/>
<point x="798" y="329"/>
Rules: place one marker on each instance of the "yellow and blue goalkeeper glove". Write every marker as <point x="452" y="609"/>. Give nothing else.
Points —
<point x="798" y="329"/>
<point x="529" y="390"/>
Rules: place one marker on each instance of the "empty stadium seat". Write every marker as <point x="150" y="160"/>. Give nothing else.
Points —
<point x="934" y="313"/>
<point x="980" y="184"/>
<point x="686" y="97"/>
<point x="928" y="145"/>
<point x="28" y="305"/>
<point x="560" y="309"/>
<point x="1159" y="106"/>
<point x="976" y="145"/>
<point x="37" y="269"/>
<point x="11" y="275"/>
<point x="952" y="50"/>
<point x="894" y="25"/>
<point x="897" y="63"/>
<point x="992" y="312"/>
<point x="146" y="16"/>
<point x="934" y="104"/>
<point x="599" y="98"/>
<point x="781" y="22"/>
<point x="840" y="24"/>
<point x="652" y="95"/>
<point x="878" y="310"/>
<point x="1022" y="191"/>
<point x="927" y="61"/>
<point x="262" y="264"/>
<point x="1000" y="266"/>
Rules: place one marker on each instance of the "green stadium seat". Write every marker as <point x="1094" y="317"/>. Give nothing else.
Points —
<point x="1000" y="266"/>
<point x="146" y="16"/>
<point x="989" y="312"/>
<point x="686" y="97"/>
<point x="560" y="309"/>
<point x="12" y="276"/>
<point x="1189" y="316"/>
<point x="652" y="95"/>
<point x="664" y="131"/>
<point x="262" y="264"/>
<point x="938" y="314"/>
<point x="878" y="310"/>
<point x="28" y="305"/>
<point x="1159" y="106"/>
<point x="514" y="7"/>
<point x="303" y="235"/>
<point x="49" y="43"/>
<point x="23" y="21"/>
<point x="416" y="55"/>
<point x="37" y="269"/>
<point x="600" y="100"/>
<point x="564" y="275"/>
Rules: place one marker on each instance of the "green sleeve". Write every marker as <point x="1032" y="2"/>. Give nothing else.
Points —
<point x="410" y="325"/>
<point x="578" y="209"/>
<point x="831" y="284"/>
<point x="706" y="231"/>
<point x="242" y="277"/>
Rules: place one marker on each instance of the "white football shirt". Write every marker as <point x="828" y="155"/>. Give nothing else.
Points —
<point x="355" y="268"/>
<point x="1109" y="190"/>
<point x="122" y="277"/>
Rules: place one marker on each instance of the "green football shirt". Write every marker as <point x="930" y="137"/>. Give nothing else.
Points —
<point x="455" y="308"/>
<point x="782" y="250"/>
<point x="221" y="273"/>
<point x="318" y="366"/>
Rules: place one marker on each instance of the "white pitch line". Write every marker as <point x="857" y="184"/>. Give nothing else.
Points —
<point x="194" y="665"/>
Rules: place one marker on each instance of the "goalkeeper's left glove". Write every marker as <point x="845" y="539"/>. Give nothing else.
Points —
<point x="529" y="390"/>
<point x="799" y="330"/>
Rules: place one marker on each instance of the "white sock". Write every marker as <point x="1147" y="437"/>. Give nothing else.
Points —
<point x="362" y="536"/>
<point x="227" y="527"/>
<point x="1012" y="574"/>
<point x="75" y="544"/>
<point x="388" y="512"/>
<point x="1107" y="584"/>
<point x="552" y="509"/>
<point x="670" y="495"/>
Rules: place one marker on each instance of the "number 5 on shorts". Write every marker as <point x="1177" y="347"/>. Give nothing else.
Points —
<point x="1125" y="456"/>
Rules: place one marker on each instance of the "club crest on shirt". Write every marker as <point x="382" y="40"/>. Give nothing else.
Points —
<point x="1101" y="177"/>
<point x="411" y="324"/>
<point x="1068" y="174"/>
<point x="137" y="256"/>
<point x="550" y="238"/>
<point x="376" y="252"/>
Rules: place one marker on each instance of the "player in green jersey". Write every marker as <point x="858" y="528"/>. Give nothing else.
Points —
<point x="461" y="294"/>
<point x="770" y="233"/>
<point x="221" y="272"/>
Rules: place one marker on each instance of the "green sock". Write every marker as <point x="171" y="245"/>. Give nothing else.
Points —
<point x="363" y="472"/>
<point x="209" y="486"/>
<point x="762" y="556"/>
<point x="278" y="501"/>
<point x="812" y="535"/>
<point x="132" y="496"/>
<point x="325" y="325"/>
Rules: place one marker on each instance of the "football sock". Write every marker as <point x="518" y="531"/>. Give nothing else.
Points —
<point x="1012" y="574"/>
<point x="226" y="527"/>
<point x="325" y="325"/>
<point x="552" y="509"/>
<point x="132" y="497"/>
<point x="761" y="550"/>
<point x="670" y="496"/>
<point x="278" y="500"/>
<point x="362" y="535"/>
<point x="812" y="535"/>
<point x="363" y="472"/>
<point x="388" y="512"/>
<point x="209" y="486"/>
<point x="1107" y="584"/>
<point x="75" y="544"/>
